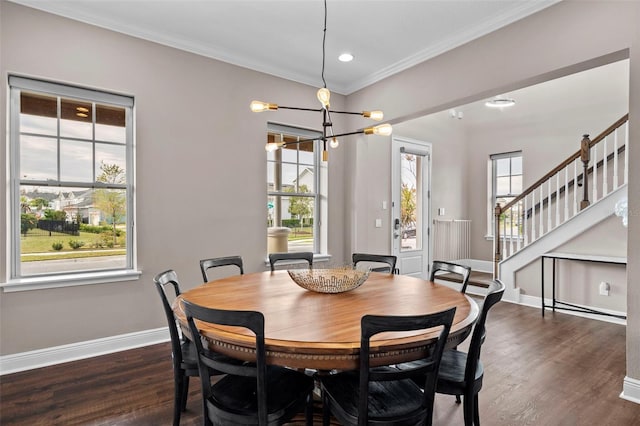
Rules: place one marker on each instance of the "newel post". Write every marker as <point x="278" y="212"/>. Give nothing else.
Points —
<point x="496" y="240"/>
<point x="584" y="157"/>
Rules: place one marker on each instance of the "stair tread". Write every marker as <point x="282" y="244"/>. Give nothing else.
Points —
<point x="477" y="278"/>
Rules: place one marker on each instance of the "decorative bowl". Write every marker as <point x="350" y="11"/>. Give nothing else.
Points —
<point x="336" y="280"/>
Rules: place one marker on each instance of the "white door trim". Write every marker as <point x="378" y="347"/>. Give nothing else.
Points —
<point x="423" y="149"/>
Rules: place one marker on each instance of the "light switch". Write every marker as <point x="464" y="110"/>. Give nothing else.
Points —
<point x="441" y="211"/>
<point x="378" y="223"/>
<point x="384" y="205"/>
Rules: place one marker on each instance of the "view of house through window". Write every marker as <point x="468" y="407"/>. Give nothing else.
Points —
<point x="292" y="185"/>
<point x="70" y="179"/>
<point x="507" y="184"/>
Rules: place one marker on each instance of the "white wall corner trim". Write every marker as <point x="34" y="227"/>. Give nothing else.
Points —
<point x="631" y="390"/>
<point x="14" y="363"/>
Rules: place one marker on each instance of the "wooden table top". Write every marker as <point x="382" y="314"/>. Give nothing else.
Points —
<point x="305" y="329"/>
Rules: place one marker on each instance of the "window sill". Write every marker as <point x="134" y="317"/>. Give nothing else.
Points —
<point x="69" y="280"/>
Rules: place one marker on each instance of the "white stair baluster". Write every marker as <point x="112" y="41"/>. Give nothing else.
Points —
<point x="566" y="194"/>
<point x="540" y="211"/>
<point x="549" y="205"/>
<point x="615" y="160"/>
<point x="575" y="187"/>
<point x="626" y="153"/>
<point x="605" y="177"/>
<point x="595" y="174"/>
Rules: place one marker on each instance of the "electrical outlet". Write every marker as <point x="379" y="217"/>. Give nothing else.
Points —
<point x="604" y="288"/>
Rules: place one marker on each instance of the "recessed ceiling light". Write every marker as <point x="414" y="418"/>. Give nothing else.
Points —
<point x="345" y="57"/>
<point x="500" y="102"/>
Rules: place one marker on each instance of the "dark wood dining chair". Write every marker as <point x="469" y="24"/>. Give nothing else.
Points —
<point x="386" y="395"/>
<point x="251" y="393"/>
<point x="185" y="363"/>
<point x="462" y="373"/>
<point x="461" y="272"/>
<point x="216" y="262"/>
<point x="280" y="257"/>
<point x="390" y="260"/>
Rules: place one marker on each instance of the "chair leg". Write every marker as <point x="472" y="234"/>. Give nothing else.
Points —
<point x="177" y="398"/>
<point x="309" y="410"/>
<point x="468" y="409"/>
<point x="326" y="410"/>
<point x="185" y="393"/>
<point x="476" y="411"/>
<point x="458" y="400"/>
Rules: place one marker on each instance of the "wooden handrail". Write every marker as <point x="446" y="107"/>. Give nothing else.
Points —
<point x="586" y="145"/>
<point x="565" y="163"/>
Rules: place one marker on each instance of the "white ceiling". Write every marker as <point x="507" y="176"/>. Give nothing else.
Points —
<point x="284" y="37"/>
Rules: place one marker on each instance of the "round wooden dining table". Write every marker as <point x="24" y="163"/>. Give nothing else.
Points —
<point x="305" y="329"/>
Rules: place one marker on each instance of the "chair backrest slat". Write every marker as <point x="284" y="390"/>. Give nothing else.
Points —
<point x="206" y="264"/>
<point x="377" y="258"/>
<point x="278" y="257"/>
<point x="453" y="268"/>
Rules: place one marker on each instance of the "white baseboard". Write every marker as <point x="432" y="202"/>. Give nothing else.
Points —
<point x="14" y="363"/>
<point x="536" y="302"/>
<point x="631" y="390"/>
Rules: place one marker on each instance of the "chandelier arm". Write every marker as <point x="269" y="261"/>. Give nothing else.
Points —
<point x="345" y="112"/>
<point x="320" y="138"/>
<point x="300" y="109"/>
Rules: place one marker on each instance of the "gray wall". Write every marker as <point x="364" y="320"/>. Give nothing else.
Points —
<point x="201" y="169"/>
<point x="563" y="39"/>
<point x="193" y="115"/>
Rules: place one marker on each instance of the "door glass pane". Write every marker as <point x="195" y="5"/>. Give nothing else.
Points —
<point x="411" y="202"/>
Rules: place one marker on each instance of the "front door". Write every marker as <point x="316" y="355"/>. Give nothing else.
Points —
<point x="410" y="209"/>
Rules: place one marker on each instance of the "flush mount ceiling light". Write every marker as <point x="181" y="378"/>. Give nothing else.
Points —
<point x="324" y="96"/>
<point x="345" y="57"/>
<point x="500" y="102"/>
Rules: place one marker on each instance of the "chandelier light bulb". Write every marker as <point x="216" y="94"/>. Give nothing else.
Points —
<point x="258" y="106"/>
<point x="374" y="115"/>
<point x="382" y="130"/>
<point x="272" y="146"/>
<point x="334" y="143"/>
<point x="323" y="96"/>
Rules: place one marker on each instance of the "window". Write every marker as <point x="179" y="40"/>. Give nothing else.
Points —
<point x="293" y="187"/>
<point x="506" y="184"/>
<point x="71" y="179"/>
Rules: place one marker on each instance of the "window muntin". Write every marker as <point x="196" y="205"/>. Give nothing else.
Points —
<point x="292" y="185"/>
<point x="71" y="180"/>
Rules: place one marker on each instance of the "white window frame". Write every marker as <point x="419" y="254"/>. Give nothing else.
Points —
<point x="492" y="187"/>
<point x="320" y="187"/>
<point x="15" y="281"/>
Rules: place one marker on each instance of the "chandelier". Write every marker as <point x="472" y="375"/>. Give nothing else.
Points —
<point x="324" y="95"/>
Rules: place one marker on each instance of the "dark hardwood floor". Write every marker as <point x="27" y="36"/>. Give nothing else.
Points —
<point x="557" y="370"/>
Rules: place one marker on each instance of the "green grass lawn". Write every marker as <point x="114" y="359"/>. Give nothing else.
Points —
<point x="43" y="244"/>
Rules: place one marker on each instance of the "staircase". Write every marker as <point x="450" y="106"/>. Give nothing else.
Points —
<point x="575" y="195"/>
